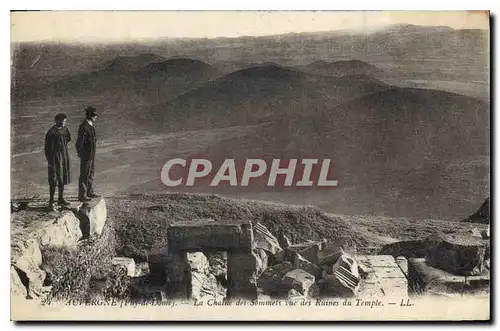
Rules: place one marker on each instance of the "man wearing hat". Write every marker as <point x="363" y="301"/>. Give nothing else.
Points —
<point x="56" y="153"/>
<point x="86" y="147"/>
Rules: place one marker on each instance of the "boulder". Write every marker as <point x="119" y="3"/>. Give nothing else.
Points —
<point x="17" y="287"/>
<point x="63" y="232"/>
<point x="459" y="255"/>
<point x="126" y="263"/>
<point x="301" y="281"/>
<point x="265" y="240"/>
<point x="92" y="217"/>
<point x="26" y="257"/>
<point x="344" y="280"/>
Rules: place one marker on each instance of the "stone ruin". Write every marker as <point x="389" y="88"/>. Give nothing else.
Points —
<point x="259" y="266"/>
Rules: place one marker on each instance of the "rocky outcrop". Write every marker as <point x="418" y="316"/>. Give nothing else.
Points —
<point x="35" y="229"/>
<point x="482" y="215"/>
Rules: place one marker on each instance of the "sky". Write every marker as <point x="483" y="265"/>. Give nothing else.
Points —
<point x="118" y="26"/>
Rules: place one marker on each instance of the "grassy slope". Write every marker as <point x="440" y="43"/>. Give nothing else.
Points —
<point x="142" y="220"/>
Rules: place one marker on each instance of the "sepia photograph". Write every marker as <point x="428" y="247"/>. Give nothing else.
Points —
<point x="250" y="165"/>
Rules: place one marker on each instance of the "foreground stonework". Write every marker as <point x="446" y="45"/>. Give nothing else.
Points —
<point x="34" y="228"/>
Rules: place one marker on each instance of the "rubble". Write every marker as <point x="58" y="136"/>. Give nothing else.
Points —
<point x="301" y="281"/>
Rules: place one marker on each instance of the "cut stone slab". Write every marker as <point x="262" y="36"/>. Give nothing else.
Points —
<point x="301" y="281"/>
<point x="382" y="276"/>
<point x="344" y="280"/>
<point x="92" y="216"/>
<point x="125" y="262"/>
<point x="265" y="240"/>
<point x="426" y="279"/>
<point x="207" y="235"/>
<point x="457" y="254"/>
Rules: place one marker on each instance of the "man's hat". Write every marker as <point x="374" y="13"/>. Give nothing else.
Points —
<point x="90" y="111"/>
<point x="60" y="117"/>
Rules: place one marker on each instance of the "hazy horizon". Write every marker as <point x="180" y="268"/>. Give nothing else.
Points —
<point x="134" y="26"/>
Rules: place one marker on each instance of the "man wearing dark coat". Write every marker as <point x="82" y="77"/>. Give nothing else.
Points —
<point x="56" y="153"/>
<point x="86" y="148"/>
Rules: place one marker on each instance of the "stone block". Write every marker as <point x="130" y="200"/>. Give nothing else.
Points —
<point x="426" y="279"/>
<point x="265" y="240"/>
<point x="207" y="235"/>
<point x="92" y="217"/>
<point x="302" y="263"/>
<point x="459" y="255"/>
<point x="270" y="280"/>
<point x="330" y="255"/>
<point x="301" y="281"/>
<point x="475" y="285"/>
<point x="126" y="263"/>
<point x="158" y="260"/>
<point x="344" y="280"/>
<point x="242" y="275"/>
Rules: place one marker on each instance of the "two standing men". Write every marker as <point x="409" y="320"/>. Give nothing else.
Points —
<point x="56" y="153"/>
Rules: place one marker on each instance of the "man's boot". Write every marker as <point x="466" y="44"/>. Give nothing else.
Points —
<point x="61" y="200"/>
<point x="91" y="193"/>
<point x="52" y="191"/>
<point x="82" y="196"/>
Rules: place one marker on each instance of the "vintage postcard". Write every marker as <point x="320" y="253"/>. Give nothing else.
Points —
<point x="250" y="165"/>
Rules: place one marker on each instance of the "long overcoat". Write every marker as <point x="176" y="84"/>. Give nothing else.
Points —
<point x="56" y="153"/>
